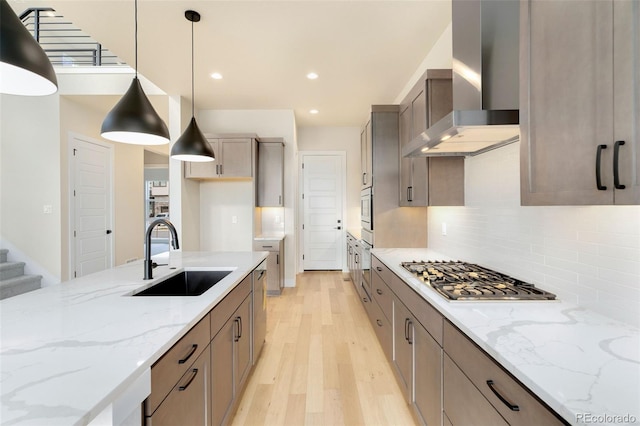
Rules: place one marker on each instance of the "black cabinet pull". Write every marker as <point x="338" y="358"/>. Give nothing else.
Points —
<point x="186" y="385"/>
<point x="379" y="291"/>
<point x="237" y="334"/>
<point x="406" y="329"/>
<point x="379" y="323"/>
<point x="409" y="193"/>
<point x="379" y="269"/>
<point x="409" y="339"/>
<point x="364" y="178"/>
<point x="511" y="406"/>
<point x="616" y="171"/>
<point x="599" y="184"/>
<point x="240" y="333"/>
<point x="191" y="352"/>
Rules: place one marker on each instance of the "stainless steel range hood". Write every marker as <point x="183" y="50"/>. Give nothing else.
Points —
<point x="485" y="82"/>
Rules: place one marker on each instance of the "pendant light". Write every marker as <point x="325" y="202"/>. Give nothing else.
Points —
<point x="24" y="67"/>
<point x="192" y="145"/>
<point x="133" y="119"/>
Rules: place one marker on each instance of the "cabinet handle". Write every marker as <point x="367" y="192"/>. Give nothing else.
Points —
<point x="364" y="178"/>
<point x="365" y="300"/>
<point x="379" y="269"/>
<point x="186" y="385"/>
<point x="357" y="258"/>
<point x="267" y="246"/>
<point x="616" y="171"/>
<point x="406" y="329"/>
<point x="409" y="193"/>
<point x="598" y="161"/>
<point x="379" y="323"/>
<point x="221" y="171"/>
<point x="379" y="291"/>
<point x="410" y="324"/>
<point x="511" y="406"/>
<point x="277" y="259"/>
<point x="240" y="333"/>
<point x="191" y="352"/>
<point x="237" y="335"/>
<point x="279" y="200"/>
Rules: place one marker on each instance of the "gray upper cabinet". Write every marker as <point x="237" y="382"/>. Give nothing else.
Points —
<point x="234" y="159"/>
<point x="270" y="181"/>
<point x="579" y="95"/>
<point x="427" y="102"/>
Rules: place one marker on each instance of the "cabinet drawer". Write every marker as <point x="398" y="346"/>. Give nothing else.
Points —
<point x="174" y="364"/>
<point x="492" y="380"/>
<point x="382" y="327"/>
<point x="382" y="295"/>
<point x="223" y="310"/>
<point x="426" y="314"/>
<point x="187" y="401"/>
<point x="384" y="272"/>
<point x="266" y="245"/>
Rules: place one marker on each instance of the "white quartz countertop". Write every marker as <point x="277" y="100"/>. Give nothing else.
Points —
<point x="69" y="351"/>
<point x="582" y="364"/>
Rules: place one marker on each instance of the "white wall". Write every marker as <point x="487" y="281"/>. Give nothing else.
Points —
<point x="29" y="180"/>
<point x="588" y="255"/>
<point x="265" y="123"/>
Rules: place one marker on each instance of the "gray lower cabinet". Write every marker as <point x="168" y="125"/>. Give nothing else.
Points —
<point x="270" y="181"/>
<point x="430" y="181"/>
<point x="579" y="102"/>
<point x="234" y="159"/>
<point x="230" y="354"/>
<point x="187" y="402"/>
<point x="275" y="263"/>
<point x="488" y="393"/>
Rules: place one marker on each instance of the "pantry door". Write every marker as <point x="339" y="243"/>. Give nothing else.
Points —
<point x="90" y="225"/>
<point x="323" y="200"/>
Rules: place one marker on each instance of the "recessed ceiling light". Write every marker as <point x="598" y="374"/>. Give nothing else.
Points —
<point x="312" y="76"/>
<point x="314" y="111"/>
<point x="216" y="76"/>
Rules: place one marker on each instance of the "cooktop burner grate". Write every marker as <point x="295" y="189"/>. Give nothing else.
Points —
<point x="457" y="280"/>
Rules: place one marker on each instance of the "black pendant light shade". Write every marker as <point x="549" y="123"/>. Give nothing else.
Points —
<point x="133" y="120"/>
<point x="192" y="145"/>
<point x="25" y="68"/>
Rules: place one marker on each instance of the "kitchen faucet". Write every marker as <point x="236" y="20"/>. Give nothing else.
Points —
<point x="148" y="265"/>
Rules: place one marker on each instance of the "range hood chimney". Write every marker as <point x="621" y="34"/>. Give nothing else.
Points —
<point x="485" y="82"/>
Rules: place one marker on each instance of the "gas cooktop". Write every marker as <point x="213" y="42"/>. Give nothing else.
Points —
<point x="457" y="280"/>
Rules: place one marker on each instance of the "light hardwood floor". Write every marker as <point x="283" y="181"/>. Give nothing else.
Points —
<point x="321" y="363"/>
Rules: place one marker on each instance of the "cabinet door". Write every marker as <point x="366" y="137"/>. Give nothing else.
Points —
<point x="204" y="170"/>
<point x="626" y="65"/>
<point x="242" y="347"/>
<point x="428" y="377"/>
<point x="463" y="402"/>
<point x="405" y="163"/>
<point x="222" y="383"/>
<point x="236" y="158"/>
<point x="566" y="102"/>
<point x="403" y="344"/>
<point x="187" y="402"/>
<point x="270" y="174"/>
<point x="363" y="158"/>
<point x="419" y="112"/>
<point x="273" y="279"/>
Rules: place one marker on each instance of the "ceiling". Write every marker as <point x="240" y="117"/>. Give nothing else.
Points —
<point x="364" y="51"/>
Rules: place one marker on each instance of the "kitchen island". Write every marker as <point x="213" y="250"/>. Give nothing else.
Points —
<point x="584" y="366"/>
<point x="81" y="351"/>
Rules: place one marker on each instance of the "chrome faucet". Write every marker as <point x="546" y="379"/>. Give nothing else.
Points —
<point x="148" y="265"/>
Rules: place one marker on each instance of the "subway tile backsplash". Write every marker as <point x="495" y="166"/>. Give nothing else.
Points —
<point x="589" y="255"/>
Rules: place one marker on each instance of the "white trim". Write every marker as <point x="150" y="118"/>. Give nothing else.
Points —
<point x="74" y="138"/>
<point x="343" y="237"/>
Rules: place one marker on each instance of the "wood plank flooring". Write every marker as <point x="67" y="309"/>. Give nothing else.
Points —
<point x="321" y="363"/>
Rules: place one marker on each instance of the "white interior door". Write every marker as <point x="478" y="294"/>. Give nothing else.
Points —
<point x="323" y="230"/>
<point x="91" y="229"/>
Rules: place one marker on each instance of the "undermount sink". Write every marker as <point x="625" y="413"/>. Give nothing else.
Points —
<point x="185" y="283"/>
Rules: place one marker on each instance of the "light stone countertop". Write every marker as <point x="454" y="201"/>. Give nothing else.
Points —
<point x="69" y="351"/>
<point x="268" y="237"/>
<point x="582" y="364"/>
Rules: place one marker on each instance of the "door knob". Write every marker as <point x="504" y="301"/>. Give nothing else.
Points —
<point x="109" y="231"/>
<point x="338" y="227"/>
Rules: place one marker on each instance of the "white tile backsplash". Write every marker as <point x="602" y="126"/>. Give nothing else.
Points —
<point x="589" y="255"/>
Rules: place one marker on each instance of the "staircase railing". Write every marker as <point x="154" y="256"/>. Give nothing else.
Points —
<point x="65" y="44"/>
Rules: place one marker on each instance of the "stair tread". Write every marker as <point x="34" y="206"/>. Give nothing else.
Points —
<point x="21" y="278"/>
<point x="4" y="251"/>
<point x="11" y="265"/>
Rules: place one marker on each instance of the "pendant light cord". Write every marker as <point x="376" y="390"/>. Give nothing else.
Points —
<point x="192" y="75"/>
<point x="136" y="34"/>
